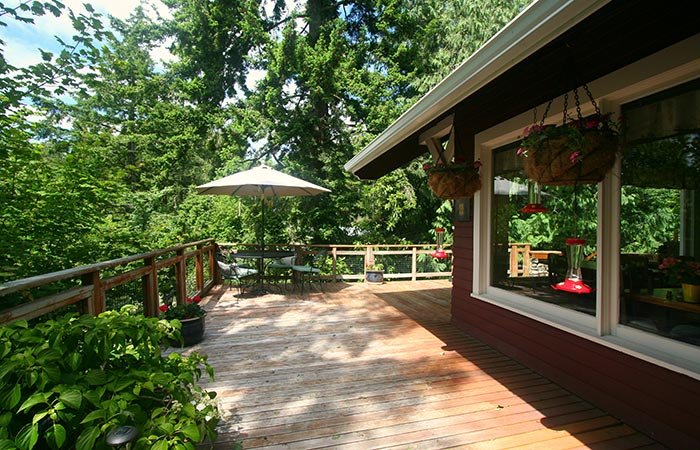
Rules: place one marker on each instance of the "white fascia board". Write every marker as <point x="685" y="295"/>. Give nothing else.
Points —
<point x="539" y="24"/>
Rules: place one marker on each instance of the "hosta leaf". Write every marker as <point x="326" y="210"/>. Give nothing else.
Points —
<point x="59" y="434"/>
<point x="71" y="398"/>
<point x="86" y="440"/>
<point x="11" y="397"/>
<point x="34" y="399"/>
<point x="98" y="414"/>
<point x="27" y="437"/>
<point x="192" y="432"/>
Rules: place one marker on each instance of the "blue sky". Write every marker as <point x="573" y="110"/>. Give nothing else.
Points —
<point x="23" y="40"/>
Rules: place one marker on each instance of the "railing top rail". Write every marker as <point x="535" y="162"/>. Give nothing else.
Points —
<point x="267" y="245"/>
<point x="39" y="280"/>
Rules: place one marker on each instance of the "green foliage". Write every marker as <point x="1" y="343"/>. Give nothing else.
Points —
<point x="69" y="382"/>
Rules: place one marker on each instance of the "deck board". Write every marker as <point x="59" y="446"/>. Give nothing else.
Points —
<point x="380" y="366"/>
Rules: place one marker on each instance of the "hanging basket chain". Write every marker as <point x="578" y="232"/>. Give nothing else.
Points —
<point x="593" y="102"/>
<point x="579" y="116"/>
<point x="566" y="108"/>
<point x="544" y="116"/>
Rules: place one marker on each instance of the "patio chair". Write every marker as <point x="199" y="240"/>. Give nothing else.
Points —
<point x="242" y="276"/>
<point x="307" y="273"/>
<point x="281" y="270"/>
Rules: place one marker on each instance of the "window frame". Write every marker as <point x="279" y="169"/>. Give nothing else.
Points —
<point x="663" y="70"/>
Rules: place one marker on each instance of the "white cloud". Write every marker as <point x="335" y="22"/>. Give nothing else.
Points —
<point x="23" y="40"/>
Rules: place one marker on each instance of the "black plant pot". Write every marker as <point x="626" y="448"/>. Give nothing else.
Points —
<point x="192" y="331"/>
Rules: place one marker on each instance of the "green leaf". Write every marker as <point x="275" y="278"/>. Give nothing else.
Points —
<point x="86" y="440"/>
<point x="5" y="418"/>
<point x="34" y="399"/>
<point x="38" y="416"/>
<point x="6" y="444"/>
<point x="96" y="377"/>
<point x="192" y="432"/>
<point x="27" y="437"/>
<point x="59" y="434"/>
<point x="71" y="398"/>
<point x="161" y="444"/>
<point x="10" y="398"/>
<point x="98" y="414"/>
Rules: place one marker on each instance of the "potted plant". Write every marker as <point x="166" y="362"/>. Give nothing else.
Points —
<point x="687" y="272"/>
<point x="453" y="180"/>
<point x="191" y="315"/>
<point x="374" y="273"/>
<point x="580" y="151"/>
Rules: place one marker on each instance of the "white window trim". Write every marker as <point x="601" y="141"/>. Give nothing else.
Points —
<point x="667" y="68"/>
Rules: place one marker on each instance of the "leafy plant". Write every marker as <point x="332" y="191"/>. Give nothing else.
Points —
<point x="375" y="267"/>
<point x="67" y="383"/>
<point x="189" y="310"/>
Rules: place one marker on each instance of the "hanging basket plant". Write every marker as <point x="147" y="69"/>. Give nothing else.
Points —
<point x="453" y="181"/>
<point x="580" y="151"/>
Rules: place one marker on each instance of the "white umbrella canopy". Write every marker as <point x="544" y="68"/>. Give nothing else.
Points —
<point x="261" y="181"/>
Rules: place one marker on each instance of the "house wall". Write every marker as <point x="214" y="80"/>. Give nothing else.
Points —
<point x="657" y="401"/>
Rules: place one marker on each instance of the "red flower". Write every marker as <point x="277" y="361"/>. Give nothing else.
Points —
<point x="188" y="300"/>
<point x="163" y="308"/>
<point x="197" y="299"/>
<point x="575" y="157"/>
<point x="426" y="166"/>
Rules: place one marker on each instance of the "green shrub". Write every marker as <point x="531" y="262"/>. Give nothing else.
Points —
<point x="67" y="383"/>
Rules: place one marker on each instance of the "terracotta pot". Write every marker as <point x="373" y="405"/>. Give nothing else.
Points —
<point x="551" y="164"/>
<point x="450" y="185"/>
<point x="192" y="331"/>
<point x="691" y="293"/>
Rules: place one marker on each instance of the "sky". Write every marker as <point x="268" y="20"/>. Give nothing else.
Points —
<point x="22" y="41"/>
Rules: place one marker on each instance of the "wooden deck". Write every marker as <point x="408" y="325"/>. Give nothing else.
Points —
<point x="364" y="366"/>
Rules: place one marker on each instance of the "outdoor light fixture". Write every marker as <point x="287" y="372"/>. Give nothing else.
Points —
<point x="574" y="257"/>
<point x="534" y="199"/>
<point x="439" y="253"/>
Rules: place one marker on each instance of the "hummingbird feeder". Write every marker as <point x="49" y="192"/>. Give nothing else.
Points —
<point x="574" y="280"/>
<point x="439" y="253"/>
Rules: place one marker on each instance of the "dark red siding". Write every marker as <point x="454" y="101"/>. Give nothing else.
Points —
<point x="659" y="402"/>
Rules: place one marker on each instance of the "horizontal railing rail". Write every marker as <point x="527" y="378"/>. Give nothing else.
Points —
<point x="416" y="258"/>
<point x="87" y="286"/>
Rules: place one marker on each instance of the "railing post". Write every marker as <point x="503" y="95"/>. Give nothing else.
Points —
<point x="95" y="304"/>
<point x="334" y="252"/>
<point x="150" y="288"/>
<point x="213" y="267"/>
<point x="414" y="263"/>
<point x="199" y="269"/>
<point x="180" y="277"/>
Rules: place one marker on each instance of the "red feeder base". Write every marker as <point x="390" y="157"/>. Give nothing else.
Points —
<point x="439" y="254"/>
<point x="573" y="286"/>
<point x="533" y="208"/>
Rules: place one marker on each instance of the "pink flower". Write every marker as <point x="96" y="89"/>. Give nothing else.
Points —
<point x="163" y="308"/>
<point x="521" y="151"/>
<point x="575" y="157"/>
<point x="532" y="129"/>
<point x="426" y="166"/>
<point x="477" y="164"/>
<point x="592" y="123"/>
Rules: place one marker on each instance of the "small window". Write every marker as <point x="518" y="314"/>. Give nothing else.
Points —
<point x="529" y="254"/>
<point x="660" y="215"/>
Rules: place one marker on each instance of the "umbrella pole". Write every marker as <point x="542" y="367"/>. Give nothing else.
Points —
<point x="262" y="243"/>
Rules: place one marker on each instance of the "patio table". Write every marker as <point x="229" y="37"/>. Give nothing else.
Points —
<point x="261" y="256"/>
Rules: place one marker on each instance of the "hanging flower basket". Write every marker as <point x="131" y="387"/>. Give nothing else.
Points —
<point x="453" y="181"/>
<point x="566" y="160"/>
<point x="580" y="151"/>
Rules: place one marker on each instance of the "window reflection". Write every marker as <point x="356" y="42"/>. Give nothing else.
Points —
<point x="529" y="251"/>
<point x="660" y="213"/>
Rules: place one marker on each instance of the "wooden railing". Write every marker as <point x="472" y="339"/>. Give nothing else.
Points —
<point x="87" y="286"/>
<point x="339" y="257"/>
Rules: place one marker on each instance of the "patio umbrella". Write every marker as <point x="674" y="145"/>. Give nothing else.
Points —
<point x="261" y="181"/>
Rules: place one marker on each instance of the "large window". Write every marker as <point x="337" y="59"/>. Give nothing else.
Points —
<point x="643" y="218"/>
<point x="528" y="251"/>
<point x="660" y="214"/>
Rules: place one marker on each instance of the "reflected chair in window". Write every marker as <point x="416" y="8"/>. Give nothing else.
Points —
<point x="241" y="276"/>
<point x="308" y="273"/>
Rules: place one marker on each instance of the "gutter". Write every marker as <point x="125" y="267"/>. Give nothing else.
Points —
<point x="540" y="23"/>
